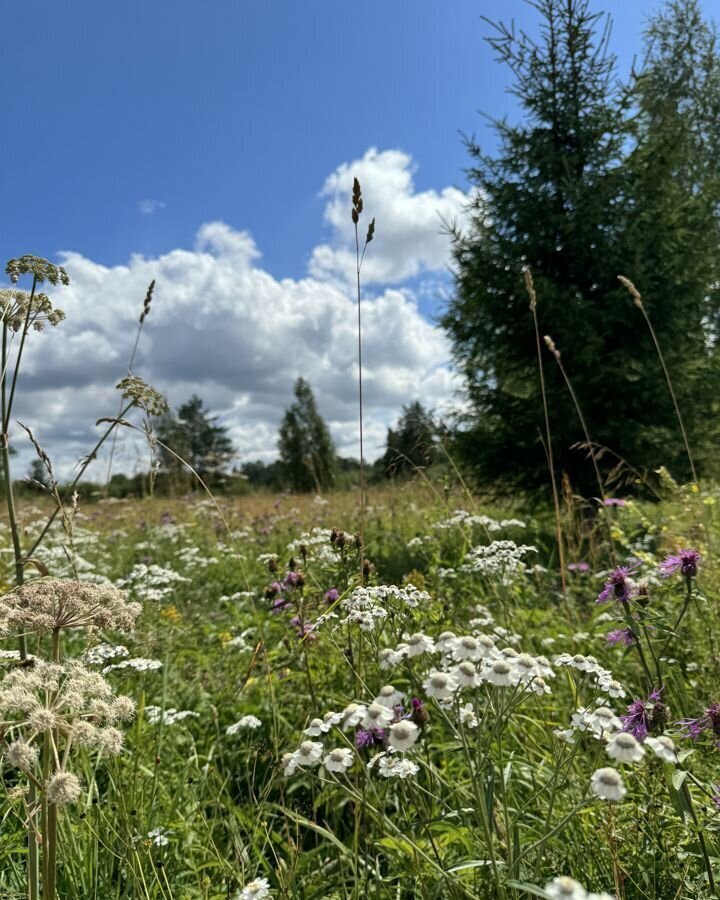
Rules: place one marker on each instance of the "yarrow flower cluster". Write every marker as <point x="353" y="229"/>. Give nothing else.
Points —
<point x="500" y="559"/>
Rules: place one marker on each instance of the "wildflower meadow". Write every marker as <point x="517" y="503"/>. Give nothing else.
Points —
<point x="448" y="626"/>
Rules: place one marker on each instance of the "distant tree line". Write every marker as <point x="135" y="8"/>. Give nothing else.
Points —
<point x="192" y="445"/>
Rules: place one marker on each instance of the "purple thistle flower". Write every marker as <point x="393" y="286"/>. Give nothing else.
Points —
<point x="694" y="728"/>
<point x="278" y="605"/>
<point x="684" y="561"/>
<point x="644" y="715"/>
<point x="623" y="636"/>
<point x="332" y="595"/>
<point x="619" y="585"/>
<point x="291" y="579"/>
<point x="369" y="737"/>
<point x="614" y="501"/>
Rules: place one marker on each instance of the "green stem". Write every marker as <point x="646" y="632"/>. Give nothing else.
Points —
<point x="81" y="471"/>
<point x="686" y="604"/>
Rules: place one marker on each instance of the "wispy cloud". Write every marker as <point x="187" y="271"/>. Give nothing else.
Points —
<point x="148" y="206"/>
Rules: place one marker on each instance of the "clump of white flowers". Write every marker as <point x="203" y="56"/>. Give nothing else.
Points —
<point x="504" y="560"/>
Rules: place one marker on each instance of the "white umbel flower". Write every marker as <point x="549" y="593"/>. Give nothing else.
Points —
<point x="251" y="723"/>
<point x="339" y="760"/>
<point x="403" y="734"/>
<point x="607" y="784"/>
<point x="394" y="767"/>
<point x="440" y="685"/>
<point x="624" y="747"/>
<point x="662" y="747"/>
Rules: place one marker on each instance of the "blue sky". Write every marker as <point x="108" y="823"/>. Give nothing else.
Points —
<point x="235" y="111"/>
<point x="212" y="146"/>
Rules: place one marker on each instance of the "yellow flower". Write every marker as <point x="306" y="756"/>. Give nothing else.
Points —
<point x="171" y="614"/>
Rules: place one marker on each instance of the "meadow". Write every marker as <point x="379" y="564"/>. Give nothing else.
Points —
<point x="445" y="715"/>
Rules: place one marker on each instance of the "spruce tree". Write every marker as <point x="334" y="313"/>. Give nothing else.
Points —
<point x="563" y="196"/>
<point x="307" y="452"/>
<point x="194" y="435"/>
<point x="412" y="444"/>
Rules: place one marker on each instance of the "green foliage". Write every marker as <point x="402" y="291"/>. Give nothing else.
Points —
<point x="593" y="182"/>
<point x="412" y="444"/>
<point x="307" y="454"/>
<point x="194" y="436"/>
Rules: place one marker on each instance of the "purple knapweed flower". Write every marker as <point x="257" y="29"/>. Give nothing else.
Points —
<point x="578" y="567"/>
<point x="369" y="737"/>
<point x="614" y="501"/>
<point x="623" y="636"/>
<point x="619" y="585"/>
<point x="278" y="605"/>
<point x="684" y="561"/>
<point x="291" y="579"/>
<point x="694" y="728"/>
<point x="332" y="595"/>
<point x="643" y="715"/>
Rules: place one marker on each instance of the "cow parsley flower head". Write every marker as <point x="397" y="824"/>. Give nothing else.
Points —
<point x="49" y="604"/>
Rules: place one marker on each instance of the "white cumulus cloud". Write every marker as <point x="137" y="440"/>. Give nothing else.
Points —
<point x="225" y="328"/>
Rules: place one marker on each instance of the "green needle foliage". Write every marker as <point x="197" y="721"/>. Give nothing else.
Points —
<point x="595" y="180"/>
<point x="307" y="453"/>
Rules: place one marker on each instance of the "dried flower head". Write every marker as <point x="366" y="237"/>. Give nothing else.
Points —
<point x="49" y="604"/>
<point x="63" y="788"/>
<point x="41" y="270"/>
<point x="20" y="309"/>
<point x="143" y="395"/>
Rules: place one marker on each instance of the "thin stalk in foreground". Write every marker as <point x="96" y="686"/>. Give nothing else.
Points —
<point x="530" y="288"/>
<point x="637" y="300"/>
<point x="357" y="207"/>
<point x="556" y="353"/>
